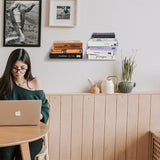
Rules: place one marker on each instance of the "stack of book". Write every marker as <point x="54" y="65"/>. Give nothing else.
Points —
<point x="67" y="49"/>
<point x="102" y="46"/>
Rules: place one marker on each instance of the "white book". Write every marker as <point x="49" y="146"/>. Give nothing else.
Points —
<point x="98" y="57"/>
<point x="102" y="42"/>
<point x="100" y="52"/>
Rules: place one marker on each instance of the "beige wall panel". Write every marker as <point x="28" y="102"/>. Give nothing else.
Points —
<point x="99" y="121"/>
<point x="76" y="145"/>
<point x="155" y="112"/>
<point x="110" y="124"/>
<point x="121" y="123"/>
<point x="65" y="139"/>
<point x="54" y="132"/>
<point x="143" y="127"/>
<point x="131" y="147"/>
<point x="87" y="141"/>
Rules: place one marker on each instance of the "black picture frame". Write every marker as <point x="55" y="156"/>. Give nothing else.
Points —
<point x="22" y="23"/>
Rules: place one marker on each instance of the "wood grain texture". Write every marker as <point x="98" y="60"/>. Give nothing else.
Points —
<point x="87" y="139"/>
<point x="65" y="134"/>
<point x="98" y="132"/>
<point x="76" y="138"/>
<point x="132" y="119"/>
<point x="102" y="127"/>
<point x="55" y="127"/>
<point x="121" y="124"/>
<point x="143" y="127"/>
<point x="110" y="127"/>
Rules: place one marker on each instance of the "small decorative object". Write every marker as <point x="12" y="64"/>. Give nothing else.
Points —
<point x="22" y="23"/>
<point x="128" y="66"/>
<point x="107" y="86"/>
<point x="63" y="13"/>
<point x="95" y="89"/>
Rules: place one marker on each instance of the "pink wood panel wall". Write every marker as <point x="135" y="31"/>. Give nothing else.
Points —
<point x="102" y="127"/>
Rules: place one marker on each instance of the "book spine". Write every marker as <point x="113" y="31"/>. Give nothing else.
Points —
<point x="102" y="43"/>
<point x="59" y="51"/>
<point x="75" y="56"/>
<point x="104" y="48"/>
<point x="97" y="57"/>
<point x="103" y="35"/>
<point x="105" y="53"/>
<point x="102" y="39"/>
<point x="67" y="45"/>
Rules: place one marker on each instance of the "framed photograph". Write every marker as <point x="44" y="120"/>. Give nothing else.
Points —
<point x="63" y="13"/>
<point x="22" y="23"/>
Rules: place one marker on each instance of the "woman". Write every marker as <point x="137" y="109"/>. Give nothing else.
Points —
<point x="17" y="83"/>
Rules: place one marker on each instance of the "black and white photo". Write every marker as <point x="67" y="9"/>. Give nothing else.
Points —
<point x="22" y="23"/>
<point x="63" y="13"/>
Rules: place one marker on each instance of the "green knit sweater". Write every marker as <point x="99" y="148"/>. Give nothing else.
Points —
<point x="20" y="93"/>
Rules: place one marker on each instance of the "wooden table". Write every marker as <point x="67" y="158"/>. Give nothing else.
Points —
<point x="21" y="135"/>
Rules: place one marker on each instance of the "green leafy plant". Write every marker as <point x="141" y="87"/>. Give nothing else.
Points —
<point x="128" y="66"/>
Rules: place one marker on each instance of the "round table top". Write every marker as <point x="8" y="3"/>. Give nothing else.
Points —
<point x="15" y="135"/>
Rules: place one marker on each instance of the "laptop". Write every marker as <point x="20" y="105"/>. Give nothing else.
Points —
<point x="20" y="112"/>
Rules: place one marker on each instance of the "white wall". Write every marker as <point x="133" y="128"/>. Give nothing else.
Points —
<point x="136" y="24"/>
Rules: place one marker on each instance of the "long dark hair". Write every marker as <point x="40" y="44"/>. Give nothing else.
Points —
<point x="6" y="81"/>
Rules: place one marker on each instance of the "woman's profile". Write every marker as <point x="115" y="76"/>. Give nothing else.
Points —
<point x="18" y="83"/>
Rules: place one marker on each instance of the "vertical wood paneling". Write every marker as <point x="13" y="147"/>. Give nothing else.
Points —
<point x="155" y="113"/>
<point x="87" y="141"/>
<point x="121" y="127"/>
<point x="76" y="128"/>
<point x="155" y="117"/>
<point x="110" y="122"/>
<point x="98" y="132"/>
<point x="143" y="127"/>
<point x="54" y="131"/>
<point x="102" y="127"/>
<point x="65" y="139"/>
<point x="131" y="148"/>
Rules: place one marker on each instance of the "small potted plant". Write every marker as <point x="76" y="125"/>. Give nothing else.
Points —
<point x="128" y="66"/>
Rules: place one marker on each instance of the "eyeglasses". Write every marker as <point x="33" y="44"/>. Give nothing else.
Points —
<point x="22" y="70"/>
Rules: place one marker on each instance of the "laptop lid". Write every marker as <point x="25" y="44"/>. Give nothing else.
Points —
<point x="20" y="112"/>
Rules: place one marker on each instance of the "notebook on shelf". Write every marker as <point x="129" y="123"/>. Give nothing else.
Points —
<point x="20" y="112"/>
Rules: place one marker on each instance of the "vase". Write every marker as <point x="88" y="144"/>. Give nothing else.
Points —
<point x="126" y="87"/>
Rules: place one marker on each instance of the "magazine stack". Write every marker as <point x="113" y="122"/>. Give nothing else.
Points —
<point x="102" y="46"/>
<point x="67" y="49"/>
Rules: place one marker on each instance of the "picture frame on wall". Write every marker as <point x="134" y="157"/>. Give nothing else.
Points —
<point x="63" y="13"/>
<point x="22" y="23"/>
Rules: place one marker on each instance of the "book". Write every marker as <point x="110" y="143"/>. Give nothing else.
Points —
<point x="103" y="48"/>
<point x="97" y="52"/>
<point x="102" y="42"/>
<point x="99" y="57"/>
<point x="67" y="44"/>
<point x="103" y="39"/>
<point x="63" y="55"/>
<point x="59" y="51"/>
<point x="103" y="35"/>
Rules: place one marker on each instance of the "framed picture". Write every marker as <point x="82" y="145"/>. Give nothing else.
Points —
<point x="22" y="23"/>
<point x="63" y="13"/>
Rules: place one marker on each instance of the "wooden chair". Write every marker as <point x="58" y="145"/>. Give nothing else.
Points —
<point x="43" y="154"/>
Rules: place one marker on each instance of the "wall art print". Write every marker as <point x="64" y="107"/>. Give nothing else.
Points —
<point x="22" y="23"/>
